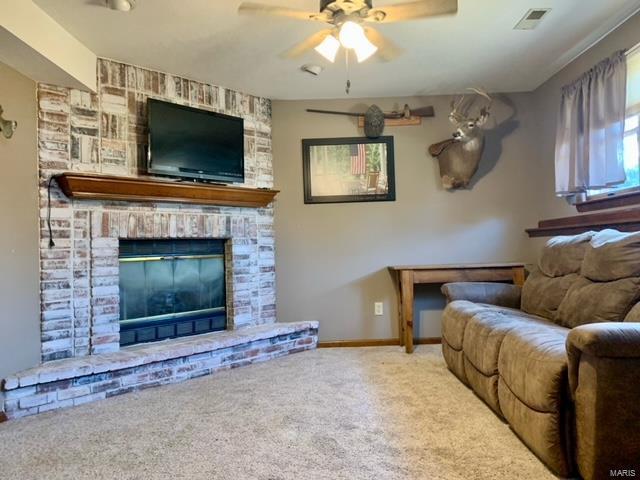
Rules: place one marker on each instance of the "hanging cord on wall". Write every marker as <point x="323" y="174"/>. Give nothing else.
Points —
<point x="346" y="60"/>
<point x="51" y="242"/>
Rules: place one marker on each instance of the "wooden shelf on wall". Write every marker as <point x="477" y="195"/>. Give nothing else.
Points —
<point x="613" y="201"/>
<point x="627" y="220"/>
<point x="85" y="186"/>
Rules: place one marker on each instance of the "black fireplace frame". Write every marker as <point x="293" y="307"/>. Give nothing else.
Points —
<point x="157" y="328"/>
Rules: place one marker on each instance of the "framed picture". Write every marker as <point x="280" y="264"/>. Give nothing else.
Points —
<point x="355" y="169"/>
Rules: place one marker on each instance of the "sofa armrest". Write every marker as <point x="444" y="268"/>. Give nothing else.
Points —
<point x="604" y="380"/>
<point x="501" y="294"/>
<point x="610" y="339"/>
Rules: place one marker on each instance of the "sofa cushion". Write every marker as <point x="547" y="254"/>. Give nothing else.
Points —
<point x="533" y="363"/>
<point x="593" y="302"/>
<point x="634" y="314"/>
<point x="485" y="386"/>
<point x="454" y="321"/>
<point x="481" y="346"/>
<point x="542" y="295"/>
<point x="563" y="255"/>
<point x="543" y="432"/>
<point x="483" y="338"/>
<point x="612" y="255"/>
<point x="533" y="390"/>
<point x="455" y="361"/>
<point x="486" y="330"/>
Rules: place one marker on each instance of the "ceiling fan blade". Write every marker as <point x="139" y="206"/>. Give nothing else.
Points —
<point x="309" y="43"/>
<point x="412" y="10"/>
<point x="387" y="50"/>
<point x="252" y="8"/>
<point x="423" y="112"/>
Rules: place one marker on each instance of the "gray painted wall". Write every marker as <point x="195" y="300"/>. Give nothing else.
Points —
<point x="331" y="260"/>
<point x="19" y="322"/>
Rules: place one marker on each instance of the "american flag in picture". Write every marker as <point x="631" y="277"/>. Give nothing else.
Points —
<point x="358" y="159"/>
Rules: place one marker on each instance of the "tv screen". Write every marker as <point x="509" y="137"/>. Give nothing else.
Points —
<point x="193" y="143"/>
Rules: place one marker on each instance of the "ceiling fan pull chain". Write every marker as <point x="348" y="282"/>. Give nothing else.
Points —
<point x="346" y="59"/>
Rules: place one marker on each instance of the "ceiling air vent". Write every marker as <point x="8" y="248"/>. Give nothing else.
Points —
<point x="532" y="18"/>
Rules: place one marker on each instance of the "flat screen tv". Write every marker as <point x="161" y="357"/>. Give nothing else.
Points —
<point x="197" y="144"/>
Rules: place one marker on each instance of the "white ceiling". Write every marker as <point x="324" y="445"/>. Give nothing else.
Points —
<point x="207" y="40"/>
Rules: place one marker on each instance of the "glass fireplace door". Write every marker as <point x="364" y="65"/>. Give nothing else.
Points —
<point x="170" y="289"/>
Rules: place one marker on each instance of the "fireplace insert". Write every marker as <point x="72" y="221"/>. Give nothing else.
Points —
<point x="171" y="288"/>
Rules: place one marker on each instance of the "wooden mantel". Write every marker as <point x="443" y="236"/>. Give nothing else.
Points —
<point x="139" y="189"/>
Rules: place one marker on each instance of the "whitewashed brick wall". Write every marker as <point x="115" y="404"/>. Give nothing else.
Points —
<point x="106" y="133"/>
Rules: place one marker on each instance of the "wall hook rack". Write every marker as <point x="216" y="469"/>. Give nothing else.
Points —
<point x="7" y="127"/>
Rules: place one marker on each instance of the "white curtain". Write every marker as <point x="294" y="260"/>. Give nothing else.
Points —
<point x="590" y="131"/>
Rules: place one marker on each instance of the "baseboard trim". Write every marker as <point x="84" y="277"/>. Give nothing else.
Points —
<point x="377" y="342"/>
<point x="427" y="341"/>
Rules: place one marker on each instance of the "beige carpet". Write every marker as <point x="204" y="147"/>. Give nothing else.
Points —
<point x="361" y="413"/>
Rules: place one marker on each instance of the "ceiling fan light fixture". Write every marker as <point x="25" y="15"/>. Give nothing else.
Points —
<point x="329" y="48"/>
<point x="364" y="50"/>
<point x="351" y="34"/>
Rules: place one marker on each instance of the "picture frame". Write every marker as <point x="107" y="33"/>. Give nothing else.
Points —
<point x="349" y="169"/>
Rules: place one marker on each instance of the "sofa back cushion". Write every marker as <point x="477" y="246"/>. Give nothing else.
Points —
<point x="612" y="255"/>
<point x="563" y="255"/>
<point x="594" y="302"/>
<point x="542" y="295"/>
<point x="634" y="314"/>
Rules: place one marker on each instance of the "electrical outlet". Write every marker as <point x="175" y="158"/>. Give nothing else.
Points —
<point x="378" y="308"/>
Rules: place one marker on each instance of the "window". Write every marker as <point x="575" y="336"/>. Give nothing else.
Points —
<point x="631" y="131"/>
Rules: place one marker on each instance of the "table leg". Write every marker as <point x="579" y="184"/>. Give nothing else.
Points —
<point x="400" y="317"/>
<point x="406" y="282"/>
<point x="518" y="276"/>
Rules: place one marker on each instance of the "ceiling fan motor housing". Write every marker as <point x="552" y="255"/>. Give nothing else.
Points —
<point x="325" y="3"/>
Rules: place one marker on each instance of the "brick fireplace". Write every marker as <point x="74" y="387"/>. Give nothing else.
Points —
<point x="105" y="133"/>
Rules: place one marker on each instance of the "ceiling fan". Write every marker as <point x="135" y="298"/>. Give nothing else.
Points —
<point x="347" y="18"/>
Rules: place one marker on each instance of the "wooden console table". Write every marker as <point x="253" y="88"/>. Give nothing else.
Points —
<point x="410" y="275"/>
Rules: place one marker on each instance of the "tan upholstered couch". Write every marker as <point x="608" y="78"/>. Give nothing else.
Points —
<point x="559" y="359"/>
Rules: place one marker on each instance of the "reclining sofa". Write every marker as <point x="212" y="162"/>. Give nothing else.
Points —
<point x="559" y="358"/>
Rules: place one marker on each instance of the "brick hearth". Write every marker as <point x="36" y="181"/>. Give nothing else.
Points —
<point x="74" y="381"/>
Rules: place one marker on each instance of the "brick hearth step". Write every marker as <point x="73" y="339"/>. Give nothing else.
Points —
<point x="74" y="381"/>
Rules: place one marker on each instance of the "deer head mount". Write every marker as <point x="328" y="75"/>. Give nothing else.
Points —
<point x="459" y="157"/>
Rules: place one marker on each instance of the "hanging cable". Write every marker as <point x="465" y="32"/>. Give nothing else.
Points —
<point x="346" y="59"/>
<point x="51" y="242"/>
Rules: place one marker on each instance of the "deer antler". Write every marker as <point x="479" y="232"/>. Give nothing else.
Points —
<point x="484" y="94"/>
<point x="484" y="111"/>
<point x="456" y="116"/>
<point x="481" y="92"/>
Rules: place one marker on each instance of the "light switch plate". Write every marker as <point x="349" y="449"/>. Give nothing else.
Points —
<point x="378" y="308"/>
